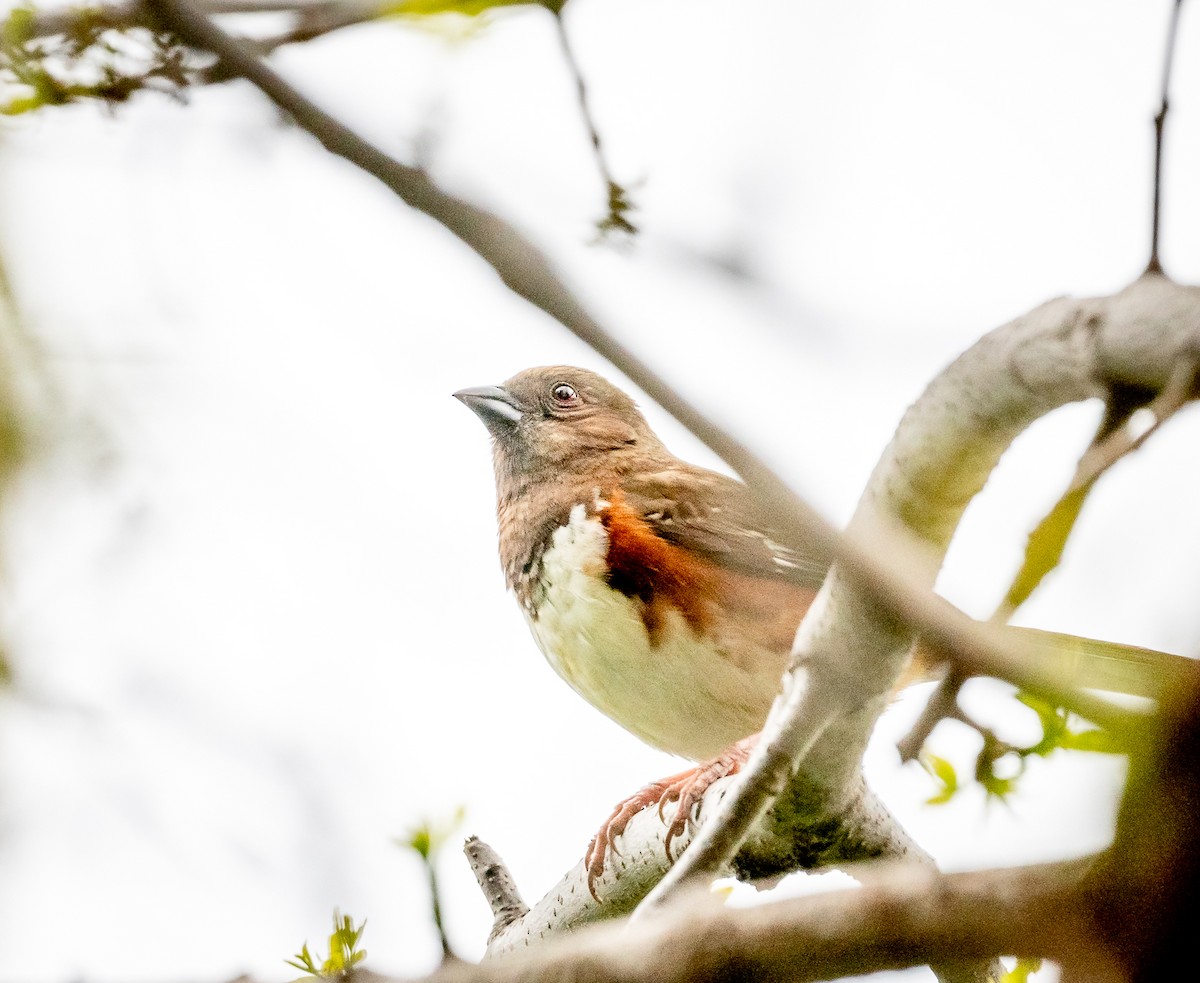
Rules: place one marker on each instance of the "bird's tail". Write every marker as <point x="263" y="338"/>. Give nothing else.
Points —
<point x="1110" y="666"/>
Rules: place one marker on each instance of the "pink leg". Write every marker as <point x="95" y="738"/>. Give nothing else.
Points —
<point x="686" y="788"/>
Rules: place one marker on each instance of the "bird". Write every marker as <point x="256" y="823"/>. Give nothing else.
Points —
<point x="663" y="593"/>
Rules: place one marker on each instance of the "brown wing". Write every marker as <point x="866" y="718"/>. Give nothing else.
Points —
<point x="750" y="618"/>
<point x="717" y="518"/>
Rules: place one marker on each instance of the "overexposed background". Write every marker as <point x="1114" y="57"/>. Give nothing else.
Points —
<point x="252" y="592"/>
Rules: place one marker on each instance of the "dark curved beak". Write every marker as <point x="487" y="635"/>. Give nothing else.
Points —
<point x="494" y="406"/>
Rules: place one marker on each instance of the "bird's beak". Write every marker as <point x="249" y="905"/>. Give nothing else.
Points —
<point x="494" y="406"/>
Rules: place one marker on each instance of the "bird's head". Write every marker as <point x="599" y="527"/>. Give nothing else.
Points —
<point x="558" y="420"/>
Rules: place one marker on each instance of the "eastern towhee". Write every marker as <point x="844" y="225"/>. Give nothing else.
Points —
<point x="659" y="590"/>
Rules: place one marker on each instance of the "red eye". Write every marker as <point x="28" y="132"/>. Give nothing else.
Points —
<point x="564" y="393"/>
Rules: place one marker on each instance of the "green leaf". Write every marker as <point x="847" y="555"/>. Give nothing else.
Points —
<point x="1098" y="741"/>
<point x="1056" y="732"/>
<point x="994" y="752"/>
<point x="344" y="953"/>
<point x="467" y="8"/>
<point x="943" y="773"/>
<point x="22" y="104"/>
<point x="421" y="840"/>
<point x="1054" y="724"/>
<point x="18" y="27"/>
<point x="1045" y="547"/>
<point x="1020" y="972"/>
<point x="429" y="836"/>
<point x="995" y="786"/>
<point x="304" y="961"/>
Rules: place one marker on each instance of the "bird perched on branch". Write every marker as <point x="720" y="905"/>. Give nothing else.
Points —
<point x="661" y="592"/>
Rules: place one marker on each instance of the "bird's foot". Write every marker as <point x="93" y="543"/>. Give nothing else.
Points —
<point x="686" y="789"/>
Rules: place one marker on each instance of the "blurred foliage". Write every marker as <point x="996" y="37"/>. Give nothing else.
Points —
<point x="468" y="8"/>
<point x="97" y="53"/>
<point x="1057" y="731"/>
<point x="999" y="764"/>
<point x="93" y="58"/>
<point x="942" y="772"/>
<point x="1021" y="971"/>
<point x="426" y="840"/>
<point x="14" y="436"/>
<point x="344" y="953"/>
<point x="15" y="425"/>
<point x="1044" y="549"/>
<point x="429" y="836"/>
<point x="107" y="55"/>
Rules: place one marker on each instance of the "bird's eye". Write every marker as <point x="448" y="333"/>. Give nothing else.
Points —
<point x="564" y="393"/>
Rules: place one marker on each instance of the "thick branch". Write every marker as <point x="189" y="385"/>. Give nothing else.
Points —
<point x="899" y="919"/>
<point x="805" y="830"/>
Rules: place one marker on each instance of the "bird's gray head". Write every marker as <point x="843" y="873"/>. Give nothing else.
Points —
<point x="559" y="420"/>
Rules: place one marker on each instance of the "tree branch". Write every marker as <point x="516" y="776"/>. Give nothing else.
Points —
<point x="804" y="832"/>
<point x="1160" y="121"/>
<point x="895" y="921"/>
<point x="617" y="219"/>
<point x="497" y="884"/>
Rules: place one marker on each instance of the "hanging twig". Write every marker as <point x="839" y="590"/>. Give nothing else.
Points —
<point x="619" y="206"/>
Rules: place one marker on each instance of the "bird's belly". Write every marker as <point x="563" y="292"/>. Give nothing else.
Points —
<point x="682" y="693"/>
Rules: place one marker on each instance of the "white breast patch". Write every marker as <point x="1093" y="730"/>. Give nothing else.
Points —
<point x="682" y="695"/>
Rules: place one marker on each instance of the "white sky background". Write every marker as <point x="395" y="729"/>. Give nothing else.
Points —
<point x="253" y="592"/>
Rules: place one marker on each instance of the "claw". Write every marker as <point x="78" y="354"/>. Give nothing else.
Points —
<point x="669" y="796"/>
<point x="686" y="789"/>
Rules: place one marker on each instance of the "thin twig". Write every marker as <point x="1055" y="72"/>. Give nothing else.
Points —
<point x="617" y="218"/>
<point x="1180" y="389"/>
<point x="435" y="901"/>
<point x="941" y="705"/>
<point x="1160" y="120"/>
